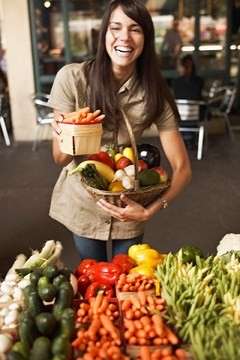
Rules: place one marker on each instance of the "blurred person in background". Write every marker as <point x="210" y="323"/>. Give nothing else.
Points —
<point x="171" y="46"/>
<point x="188" y="85"/>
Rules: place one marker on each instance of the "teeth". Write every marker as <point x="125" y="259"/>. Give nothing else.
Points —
<point x="123" y="49"/>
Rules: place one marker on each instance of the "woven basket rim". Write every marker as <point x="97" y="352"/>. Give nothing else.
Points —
<point x="141" y="191"/>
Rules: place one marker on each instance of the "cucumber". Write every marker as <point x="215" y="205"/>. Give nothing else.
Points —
<point x="34" y="303"/>
<point x="41" y="349"/>
<point x="50" y="272"/>
<point x="61" y="346"/>
<point x="58" y="280"/>
<point x="67" y="323"/>
<point x="45" y="323"/>
<point x="13" y="355"/>
<point x="63" y="300"/>
<point x="47" y="293"/>
<point x="21" y="348"/>
<point x="46" y="290"/>
<point x="27" y="329"/>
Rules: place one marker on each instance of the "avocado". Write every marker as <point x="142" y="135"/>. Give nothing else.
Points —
<point x="149" y="177"/>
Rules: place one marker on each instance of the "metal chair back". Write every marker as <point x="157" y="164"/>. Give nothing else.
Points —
<point x="192" y="120"/>
<point x="44" y="116"/>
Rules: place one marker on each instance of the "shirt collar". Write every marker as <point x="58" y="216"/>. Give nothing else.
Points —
<point x="128" y="85"/>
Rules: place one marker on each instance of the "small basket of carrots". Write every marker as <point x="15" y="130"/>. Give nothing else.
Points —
<point x="81" y="132"/>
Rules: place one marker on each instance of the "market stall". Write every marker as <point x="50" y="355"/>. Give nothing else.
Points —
<point x="144" y="305"/>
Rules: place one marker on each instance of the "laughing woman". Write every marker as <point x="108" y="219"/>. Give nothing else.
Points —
<point x="125" y="76"/>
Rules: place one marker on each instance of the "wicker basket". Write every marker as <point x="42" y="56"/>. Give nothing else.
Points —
<point x="142" y="195"/>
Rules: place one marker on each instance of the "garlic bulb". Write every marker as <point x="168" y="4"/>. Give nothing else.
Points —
<point x="127" y="182"/>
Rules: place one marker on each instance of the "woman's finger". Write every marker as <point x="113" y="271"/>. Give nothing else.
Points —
<point x="56" y="129"/>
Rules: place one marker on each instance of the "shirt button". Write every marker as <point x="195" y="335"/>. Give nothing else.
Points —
<point x="108" y="221"/>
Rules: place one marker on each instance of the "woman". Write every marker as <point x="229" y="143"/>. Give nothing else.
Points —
<point x="124" y="76"/>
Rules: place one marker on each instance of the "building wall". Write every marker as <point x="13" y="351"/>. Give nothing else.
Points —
<point x="16" y="40"/>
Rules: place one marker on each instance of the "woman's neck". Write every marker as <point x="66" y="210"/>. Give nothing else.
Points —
<point x="121" y="76"/>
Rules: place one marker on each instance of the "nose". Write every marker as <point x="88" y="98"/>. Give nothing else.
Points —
<point x="123" y="34"/>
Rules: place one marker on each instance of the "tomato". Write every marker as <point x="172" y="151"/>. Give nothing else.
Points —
<point x="124" y="261"/>
<point x="103" y="157"/>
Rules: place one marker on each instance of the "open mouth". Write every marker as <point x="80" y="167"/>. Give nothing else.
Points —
<point x="123" y="50"/>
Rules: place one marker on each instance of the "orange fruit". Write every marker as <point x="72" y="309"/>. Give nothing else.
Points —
<point x="116" y="186"/>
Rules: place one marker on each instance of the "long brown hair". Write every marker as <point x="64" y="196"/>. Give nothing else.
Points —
<point x="99" y="72"/>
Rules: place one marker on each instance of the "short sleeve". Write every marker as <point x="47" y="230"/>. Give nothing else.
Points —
<point x="62" y="93"/>
<point x="167" y="120"/>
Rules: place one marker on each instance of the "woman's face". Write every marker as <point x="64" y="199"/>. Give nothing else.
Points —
<point x="124" y="41"/>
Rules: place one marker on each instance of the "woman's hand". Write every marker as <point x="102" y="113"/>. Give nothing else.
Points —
<point x="58" y="156"/>
<point x="133" y="211"/>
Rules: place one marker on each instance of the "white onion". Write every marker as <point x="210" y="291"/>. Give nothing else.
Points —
<point x="5" y="343"/>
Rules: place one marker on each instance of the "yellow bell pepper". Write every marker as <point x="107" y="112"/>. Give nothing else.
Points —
<point x="134" y="249"/>
<point x="148" y="257"/>
<point x="143" y="270"/>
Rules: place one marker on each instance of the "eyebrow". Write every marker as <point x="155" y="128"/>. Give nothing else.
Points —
<point x="119" y="23"/>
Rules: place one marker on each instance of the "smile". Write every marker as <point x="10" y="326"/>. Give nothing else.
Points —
<point x="123" y="50"/>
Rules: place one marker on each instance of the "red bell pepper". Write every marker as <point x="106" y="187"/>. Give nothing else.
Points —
<point x="83" y="283"/>
<point x="124" y="261"/>
<point x="93" y="289"/>
<point x="84" y="267"/>
<point x="103" y="157"/>
<point x="106" y="273"/>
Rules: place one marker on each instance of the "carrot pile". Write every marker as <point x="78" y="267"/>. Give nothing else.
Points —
<point x="134" y="282"/>
<point x="144" y="326"/>
<point x="98" y="336"/>
<point x="83" y="116"/>
<point x="166" y="353"/>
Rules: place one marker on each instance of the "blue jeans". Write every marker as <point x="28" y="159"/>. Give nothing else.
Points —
<point x="97" y="249"/>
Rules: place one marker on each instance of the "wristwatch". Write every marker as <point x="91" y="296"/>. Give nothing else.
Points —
<point x="164" y="203"/>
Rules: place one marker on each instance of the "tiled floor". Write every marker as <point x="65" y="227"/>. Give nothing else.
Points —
<point x="207" y="210"/>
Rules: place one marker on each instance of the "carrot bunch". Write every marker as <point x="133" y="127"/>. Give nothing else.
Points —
<point x="134" y="282"/>
<point x="143" y="321"/>
<point x="83" y="116"/>
<point x="99" y="305"/>
<point x="97" y="334"/>
<point x="167" y="353"/>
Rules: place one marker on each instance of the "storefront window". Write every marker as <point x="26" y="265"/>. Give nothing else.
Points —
<point x="84" y="24"/>
<point x="174" y="27"/>
<point x="213" y="27"/>
<point x="48" y="25"/>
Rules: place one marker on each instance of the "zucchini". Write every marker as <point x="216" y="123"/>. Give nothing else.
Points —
<point x="41" y="349"/>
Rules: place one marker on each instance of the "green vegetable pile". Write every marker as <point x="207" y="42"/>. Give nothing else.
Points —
<point x="203" y="303"/>
<point x="47" y="325"/>
<point x="93" y="178"/>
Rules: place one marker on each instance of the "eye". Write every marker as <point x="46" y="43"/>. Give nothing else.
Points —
<point x="114" y="28"/>
<point x="137" y="30"/>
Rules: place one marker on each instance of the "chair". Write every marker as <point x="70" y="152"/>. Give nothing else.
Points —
<point x="3" y="124"/>
<point x="221" y="106"/>
<point x="193" y="114"/>
<point x="44" y="118"/>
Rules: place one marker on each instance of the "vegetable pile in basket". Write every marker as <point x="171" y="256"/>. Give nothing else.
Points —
<point x="114" y="171"/>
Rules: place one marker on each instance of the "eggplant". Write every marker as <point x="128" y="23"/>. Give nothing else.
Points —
<point x="150" y="154"/>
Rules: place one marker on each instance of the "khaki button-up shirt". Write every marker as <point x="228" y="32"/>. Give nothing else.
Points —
<point x="71" y="204"/>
